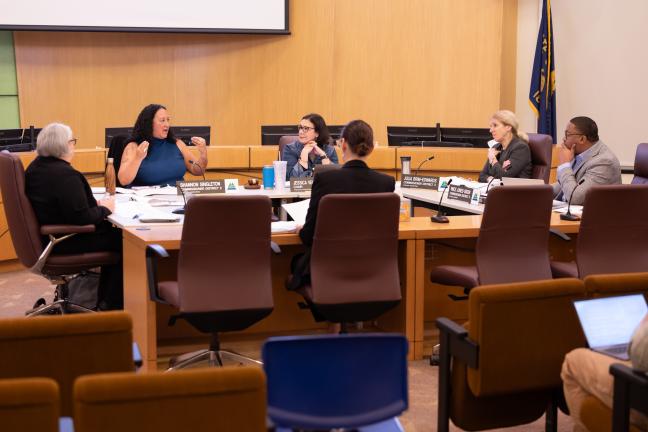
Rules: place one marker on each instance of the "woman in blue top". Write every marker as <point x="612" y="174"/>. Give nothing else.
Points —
<point x="154" y="156"/>
<point x="312" y="148"/>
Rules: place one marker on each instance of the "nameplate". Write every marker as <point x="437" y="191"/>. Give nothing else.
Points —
<point x="463" y="193"/>
<point x="299" y="184"/>
<point x="201" y="186"/>
<point x="420" y="182"/>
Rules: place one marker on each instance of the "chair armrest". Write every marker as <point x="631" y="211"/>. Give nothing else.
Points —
<point x="459" y="346"/>
<point x="559" y="234"/>
<point x="153" y="252"/>
<point x="453" y="342"/>
<point x="630" y="391"/>
<point x="66" y="229"/>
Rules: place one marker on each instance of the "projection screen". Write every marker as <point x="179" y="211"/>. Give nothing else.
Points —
<point x="190" y="16"/>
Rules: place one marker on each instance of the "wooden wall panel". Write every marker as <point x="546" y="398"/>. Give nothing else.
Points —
<point x="384" y="61"/>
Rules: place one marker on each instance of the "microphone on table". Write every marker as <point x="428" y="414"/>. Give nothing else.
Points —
<point x="202" y="171"/>
<point x="440" y="217"/>
<point x="491" y="181"/>
<point x="569" y="216"/>
<point x="181" y="210"/>
<point x="421" y="164"/>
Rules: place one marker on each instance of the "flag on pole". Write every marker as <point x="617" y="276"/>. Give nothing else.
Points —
<point x="542" y="94"/>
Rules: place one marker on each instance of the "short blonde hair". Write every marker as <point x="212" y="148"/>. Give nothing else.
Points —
<point x="53" y="140"/>
<point x="508" y="118"/>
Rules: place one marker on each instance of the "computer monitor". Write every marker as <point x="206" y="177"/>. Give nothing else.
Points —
<point x="17" y="140"/>
<point x="478" y="137"/>
<point x="270" y="134"/>
<point x="10" y="136"/>
<point x="398" y="135"/>
<point x="112" y="132"/>
<point x="435" y="144"/>
<point x="182" y="132"/>
<point x="335" y="131"/>
<point x="186" y="132"/>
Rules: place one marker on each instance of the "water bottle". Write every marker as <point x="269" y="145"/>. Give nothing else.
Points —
<point x="110" y="179"/>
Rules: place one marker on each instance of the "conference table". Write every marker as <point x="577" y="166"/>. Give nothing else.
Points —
<point x="422" y="245"/>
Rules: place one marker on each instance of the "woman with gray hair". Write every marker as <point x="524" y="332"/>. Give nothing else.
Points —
<point x="61" y="195"/>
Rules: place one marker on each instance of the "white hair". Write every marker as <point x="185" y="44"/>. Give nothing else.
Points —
<point x="53" y="140"/>
<point x="639" y="347"/>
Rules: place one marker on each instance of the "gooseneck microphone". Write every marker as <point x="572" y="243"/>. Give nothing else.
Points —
<point x="569" y="216"/>
<point x="182" y="209"/>
<point x="421" y="164"/>
<point x="440" y="217"/>
<point x="202" y="171"/>
<point x="491" y="181"/>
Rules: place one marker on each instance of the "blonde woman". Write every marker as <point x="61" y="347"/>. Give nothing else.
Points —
<point x="511" y="156"/>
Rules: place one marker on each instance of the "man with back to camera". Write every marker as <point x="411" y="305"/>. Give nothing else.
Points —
<point x="583" y="156"/>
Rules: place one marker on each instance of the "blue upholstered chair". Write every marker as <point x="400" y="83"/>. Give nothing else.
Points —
<point x="337" y="381"/>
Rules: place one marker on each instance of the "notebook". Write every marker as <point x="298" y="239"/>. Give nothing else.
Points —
<point x="609" y="322"/>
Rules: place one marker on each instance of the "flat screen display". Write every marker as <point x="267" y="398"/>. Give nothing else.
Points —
<point x="187" y="16"/>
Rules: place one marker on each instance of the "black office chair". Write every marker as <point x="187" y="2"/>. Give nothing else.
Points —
<point x="116" y="150"/>
<point x="224" y="277"/>
<point x="26" y="235"/>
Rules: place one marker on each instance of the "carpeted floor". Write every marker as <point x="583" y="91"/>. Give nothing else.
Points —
<point x="19" y="290"/>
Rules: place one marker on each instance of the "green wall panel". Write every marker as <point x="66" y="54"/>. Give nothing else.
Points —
<point x="9" y="118"/>
<point x="9" y="111"/>
<point x="8" y="85"/>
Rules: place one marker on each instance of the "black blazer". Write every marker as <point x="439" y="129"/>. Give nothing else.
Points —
<point x="353" y="177"/>
<point x="519" y="153"/>
<point x="60" y="194"/>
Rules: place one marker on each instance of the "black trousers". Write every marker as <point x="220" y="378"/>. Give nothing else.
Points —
<point x="300" y="270"/>
<point x="106" y="238"/>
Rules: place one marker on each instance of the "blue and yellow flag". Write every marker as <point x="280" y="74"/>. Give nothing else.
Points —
<point x="542" y="94"/>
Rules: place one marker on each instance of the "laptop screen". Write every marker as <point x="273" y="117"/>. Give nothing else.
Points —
<point x="610" y="320"/>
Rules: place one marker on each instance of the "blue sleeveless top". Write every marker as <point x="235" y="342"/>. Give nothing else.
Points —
<point x="163" y="165"/>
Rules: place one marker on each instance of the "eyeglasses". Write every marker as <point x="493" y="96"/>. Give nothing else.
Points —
<point x="567" y="135"/>
<point x="301" y="128"/>
<point x="73" y="141"/>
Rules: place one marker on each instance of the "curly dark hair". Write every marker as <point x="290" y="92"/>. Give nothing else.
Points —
<point x="143" y="129"/>
<point x="323" y="137"/>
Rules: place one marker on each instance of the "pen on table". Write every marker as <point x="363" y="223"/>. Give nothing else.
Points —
<point x="136" y="216"/>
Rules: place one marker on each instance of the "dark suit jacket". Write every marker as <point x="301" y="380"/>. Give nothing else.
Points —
<point x="60" y="194"/>
<point x="519" y="153"/>
<point x="354" y="177"/>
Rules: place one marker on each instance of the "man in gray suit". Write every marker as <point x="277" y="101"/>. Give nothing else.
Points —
<point x="582" y="156"/>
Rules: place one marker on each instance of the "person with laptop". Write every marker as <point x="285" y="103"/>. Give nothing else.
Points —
<point x="154" y="156"/>
<point x="511" y="155"/>
<point x="616" y="329"/>
<point x="583" y="157"/>
<point x="312" y="148"/>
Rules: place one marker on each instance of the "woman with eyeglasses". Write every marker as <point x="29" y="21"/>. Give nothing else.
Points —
<point x="154" y="156"/>
<point x="61" y="195"/>
<point x="511" y="156"/>
<point x="312" y="148"/>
